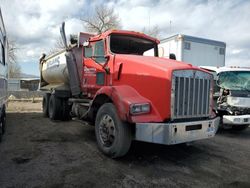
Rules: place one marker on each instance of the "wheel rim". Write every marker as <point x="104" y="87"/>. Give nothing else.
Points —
<point x="107" y="130"/>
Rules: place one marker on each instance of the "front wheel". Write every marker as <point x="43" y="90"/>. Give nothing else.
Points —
<point x="113" y="136"/>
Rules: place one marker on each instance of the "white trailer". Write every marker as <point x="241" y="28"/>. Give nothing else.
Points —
<point x="193" y="50"/>
<point x="3" y="74"/>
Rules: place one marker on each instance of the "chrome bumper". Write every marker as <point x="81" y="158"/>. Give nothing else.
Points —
<point x="236" y="120"/>
<point x="176" y="133"/>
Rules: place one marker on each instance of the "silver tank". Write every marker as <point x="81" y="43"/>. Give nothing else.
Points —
<point x="54" y="70"/>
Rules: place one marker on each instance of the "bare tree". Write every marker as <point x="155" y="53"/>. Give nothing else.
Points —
<point x="58" y="46"/>
<point x="103" y="19"/>
<point x="152" y="31"/>
<point x="14" y="67"/>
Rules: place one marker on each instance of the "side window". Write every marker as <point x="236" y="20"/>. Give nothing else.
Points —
<point x="187" y="45"/>
<point x="222" y="51"/>
<point x="99" y="52"/>
<point x="88" y="51"/>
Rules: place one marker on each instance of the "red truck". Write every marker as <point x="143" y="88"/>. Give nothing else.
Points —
<point x="106" y="80"/>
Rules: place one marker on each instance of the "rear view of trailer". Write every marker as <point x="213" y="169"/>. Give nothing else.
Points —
<point x="194" y="50"/>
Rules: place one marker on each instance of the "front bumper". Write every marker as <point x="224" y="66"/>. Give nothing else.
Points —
<point x="236" y="120"/>
<point x="176" y="133"/>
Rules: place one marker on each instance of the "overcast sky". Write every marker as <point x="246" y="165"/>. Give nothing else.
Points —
<point x="34" y="25"/>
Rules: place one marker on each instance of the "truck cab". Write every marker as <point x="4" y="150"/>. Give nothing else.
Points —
<point x="233" y="96"/>
<point x="106" y="80"/>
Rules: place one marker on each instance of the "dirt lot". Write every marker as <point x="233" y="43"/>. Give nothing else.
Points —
<point x="36" y="152"/>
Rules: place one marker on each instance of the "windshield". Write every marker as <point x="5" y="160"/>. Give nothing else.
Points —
<point x="128" y="44"/>
<point x="235" y="80"/>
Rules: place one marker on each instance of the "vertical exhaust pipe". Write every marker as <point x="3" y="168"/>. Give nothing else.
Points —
<point x="63" y="35"/>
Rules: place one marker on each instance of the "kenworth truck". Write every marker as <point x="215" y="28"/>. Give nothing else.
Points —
<point x="106" y="80"/>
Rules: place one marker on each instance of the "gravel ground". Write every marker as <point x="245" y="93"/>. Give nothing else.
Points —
<point x="37" y="152"/>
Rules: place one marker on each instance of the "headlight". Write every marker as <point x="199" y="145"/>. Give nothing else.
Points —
<point x="237" y="120"/>
<point x="139" y="108"/>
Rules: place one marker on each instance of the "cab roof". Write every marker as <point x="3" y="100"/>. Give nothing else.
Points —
<point x="123" y="32"/>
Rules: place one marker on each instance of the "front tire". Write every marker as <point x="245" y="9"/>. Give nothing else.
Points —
<point x="113" y="136"/>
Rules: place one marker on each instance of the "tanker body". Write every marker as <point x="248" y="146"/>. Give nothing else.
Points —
<point x="54" y="72"/>
<point x="108" y="82"/>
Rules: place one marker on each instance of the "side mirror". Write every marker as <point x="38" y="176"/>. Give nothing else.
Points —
<point x="218" y="82"/>
<point x="172" y="56"/>
<point x="86" y="44"/>
<point x="107" y="57"/>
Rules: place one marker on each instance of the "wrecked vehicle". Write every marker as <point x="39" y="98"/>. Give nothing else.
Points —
<point x="233" y="96"/>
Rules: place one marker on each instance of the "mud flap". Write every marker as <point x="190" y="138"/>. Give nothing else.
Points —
<point x="74" y="78"/>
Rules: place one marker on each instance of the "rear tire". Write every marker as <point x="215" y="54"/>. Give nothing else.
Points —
<point x="240" y="127"/>
<point x="113" y="136"/>
<point x="66" y="108"/>
<point x="2" y="125"/>
<point x="46" y="98"/>
<point x="1" y="131"/>
<point x="4" y="122"/>
<point x="55" y="108"/>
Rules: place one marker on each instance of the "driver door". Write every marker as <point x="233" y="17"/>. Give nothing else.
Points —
<point x="94" y="75"/>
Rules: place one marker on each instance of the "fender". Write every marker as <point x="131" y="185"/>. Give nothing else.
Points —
<point x="123" y="96"/>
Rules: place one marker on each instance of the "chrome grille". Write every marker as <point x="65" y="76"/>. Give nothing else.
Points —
<point x="190" y="94"/>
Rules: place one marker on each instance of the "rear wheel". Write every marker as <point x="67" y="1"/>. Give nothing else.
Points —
<point x="66" y="108"/>
<point x="46" y="98"/>
<point x="2" y="125"/>
<point x="55" y="108"/>
<point x="240" y="127"/>
<point x="4" y="122"/>
<point x="1" y="131"/>
<point x="113" y="136"/>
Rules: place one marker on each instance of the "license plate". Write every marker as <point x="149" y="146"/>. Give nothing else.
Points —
<point x="210" y="129"/>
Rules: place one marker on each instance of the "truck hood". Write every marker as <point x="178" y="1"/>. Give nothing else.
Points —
<point x="152" y="65"/>
<point x="151" y="77"/>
